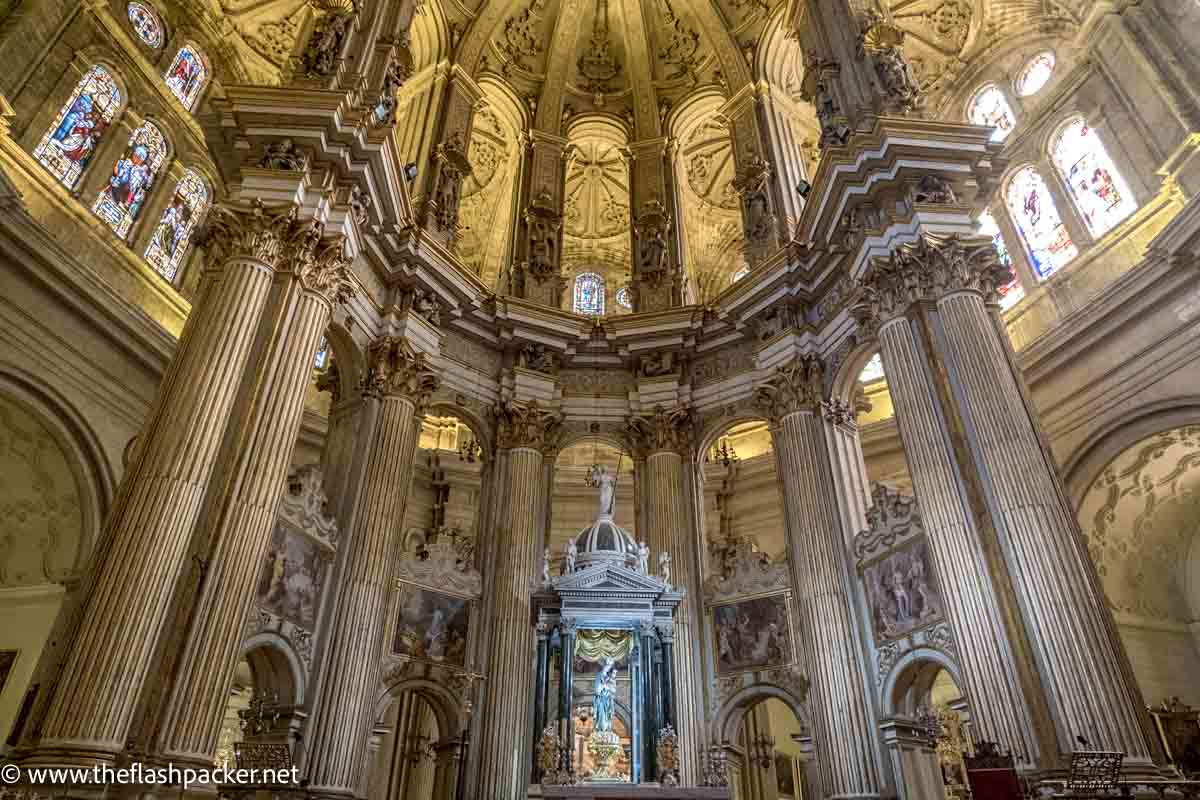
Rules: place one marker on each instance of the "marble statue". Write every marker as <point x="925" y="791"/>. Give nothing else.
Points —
<point x="643" y="561"/>
<point x="605" y="696"/>
<point x="664" y="567"/>
<point x="608" y="488"/>
<point x="546" y="567"/>
<point x="572" y="554"/>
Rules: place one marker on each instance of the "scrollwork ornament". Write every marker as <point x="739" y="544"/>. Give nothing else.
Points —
<point x="395" y="368"/>
<point x="526" y="425"/>
<point x="662" y="430"/>
<point x="797" y="386"/>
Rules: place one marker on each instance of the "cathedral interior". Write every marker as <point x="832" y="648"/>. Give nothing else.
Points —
<point x="506" y="399"/>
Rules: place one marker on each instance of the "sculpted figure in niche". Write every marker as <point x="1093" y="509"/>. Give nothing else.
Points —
<point x="542" y="244"/>
<point x="658" y="363"/>
<point x="283" y="155"/>
<point x="933" y="189"/>
<point x="653" y="255"/>
<point x="538" y="358"/>
<point x="425" y="305"/>
<point x="572" y="555"/>
<point x="605" y="696"/>
<point x="321" y="55"/>
<point x="446" y="197"/>
<point x="897" y="80"/>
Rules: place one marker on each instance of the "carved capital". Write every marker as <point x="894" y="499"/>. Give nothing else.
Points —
<point x="526" y="425"/>
<point x="660" y="431"/>
<point x="257" y="232"/>
<point x="394" y="368"/>
<point x="925" y="270"/>
<point x="319" y="262"/>
<point x="797" y="386"/>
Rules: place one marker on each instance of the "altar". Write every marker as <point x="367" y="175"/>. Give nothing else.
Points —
<point x="604" y="707"/>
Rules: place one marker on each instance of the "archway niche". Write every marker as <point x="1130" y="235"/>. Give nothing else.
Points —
<point x="573" y="501"/>
<point x="924" y="707"/>
<point x="415" y="749"/>
<point x="767" y="745"/>
<point x="1140" y="518"/>
<point x="268" y="687"/>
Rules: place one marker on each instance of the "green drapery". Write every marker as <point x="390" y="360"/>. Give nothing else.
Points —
<point x="597" y="645"/>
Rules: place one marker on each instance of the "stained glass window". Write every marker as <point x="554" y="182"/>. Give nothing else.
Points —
<point x="990" y="107"/>
<point x="589" y="294"/>
<point x="187" y="75"/>
<point x="132" y="178"/>
<point x="169" y="242"/>
<point x="624" y="298"/>
<point x="1012" y="292"/>
<point x="1045" y="235"/>
<point x="322" y="356"/>
<point x="1099" y="191"/>
<point x="68" y="146"/>
<point x="873" y="371"/>
<point x="145" y="24"/>
<point x="1036" y="74"/>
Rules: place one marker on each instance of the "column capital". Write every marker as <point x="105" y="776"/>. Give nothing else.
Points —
<point x="926" y="270"/>
<point x="661" y="431"/>
<point x="395" y="368"/>
<point x="799" y="385"/>
<point x="526" y="425"/>
<point x="319" y="262"/>
<point x="259" y="232"/>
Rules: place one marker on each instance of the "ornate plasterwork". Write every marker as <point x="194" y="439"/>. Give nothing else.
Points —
<point x="303" y="505"/>
<point x="262" y="621"/>
<point x="523" y="39"/>
<point x="891" y="520"/>
<point x="440" y="565"/>
<point x="797" y="386"/>
<point x="744" y="570"/>
<point x="394" y="367"/>
<point x="680" y="46"/>
<point x="730" y="360"/>
<point x="526" y="425"/>
<point x="1140" y="519"/>
<point x="320" y="262"/>
<point x="661" y="430"/>
<point x="597" y="190"/>
<point x="925" y="270"/>
<point x="936" y="35"/>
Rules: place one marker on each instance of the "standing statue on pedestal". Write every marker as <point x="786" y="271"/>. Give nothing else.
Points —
<point x="572" y="554"/>
<point x="664" y="567"/>
<point x="605" y="697"/>
<point x="608" y="488"/>
<point x="546" y="567"/>
<point x="643" y="561"/>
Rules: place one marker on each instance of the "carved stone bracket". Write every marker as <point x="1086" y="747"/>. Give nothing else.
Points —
<point x="797" y="386"/>
<point x="526" y="425"/>
<point x="661" y="430"/>
<point x="925" y="270"/>
<point x="395" y="368"/>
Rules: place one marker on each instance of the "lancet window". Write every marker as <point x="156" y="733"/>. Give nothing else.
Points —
<point x="169" y="242"/>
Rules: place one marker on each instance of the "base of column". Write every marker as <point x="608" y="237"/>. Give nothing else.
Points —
<point x="70" y="755"/>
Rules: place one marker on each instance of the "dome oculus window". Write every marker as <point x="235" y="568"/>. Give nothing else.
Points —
<point x="1036" y="74"/>
<point x="624" y="299"/>
<point x="990" y="107"/>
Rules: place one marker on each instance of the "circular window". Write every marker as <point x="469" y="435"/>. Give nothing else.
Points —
<point x="624" y="300"/>
<point x="1036" y="74"/>
<point x="145" y="24"/>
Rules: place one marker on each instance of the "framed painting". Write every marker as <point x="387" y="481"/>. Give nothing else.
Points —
<point x="902" y="592"/>
<point x="432" y="626"/>
<point x="293" y="577"/>
<point x="753" y="634"/>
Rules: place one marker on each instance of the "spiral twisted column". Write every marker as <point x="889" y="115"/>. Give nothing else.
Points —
<point x="398" y="383"/>
<point x="149" y="528"/>
<point x="506" y="734"/>
<point x="847" y="754"/>
<point x="241" y="531"/>
<point x="662" y="439"/>
<point x="1039" y="654"/>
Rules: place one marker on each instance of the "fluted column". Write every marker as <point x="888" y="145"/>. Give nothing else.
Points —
<point x="398" y="382"/>
<point x="505" y="737"/>
<point x="847" y="752"/>
<point x="1019" y="590"/>
<point x="149" y="529"/>
<point x="241" y="531"/>
<point x="664" y="437"/>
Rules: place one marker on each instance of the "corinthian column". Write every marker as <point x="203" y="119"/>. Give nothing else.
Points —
<point x="506" y="732"/>
<point x="397" y="384"/>
<point x="847" y="756"/>
<point x="1080" y="661"/>
<point x="663" y="439"/>
<point x="149" y="528"/>
<point x="240" y="532"/>
<point x="1025" y="543"/>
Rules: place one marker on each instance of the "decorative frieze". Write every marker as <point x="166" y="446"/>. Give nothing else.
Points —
<point x="797" y="386"/>
<point x="925" y="270"/>
<point x="395" y="368"/>
<point x="526" y="425"/>
<point x="662" y="430"/>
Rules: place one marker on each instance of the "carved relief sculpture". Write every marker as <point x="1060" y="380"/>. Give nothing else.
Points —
<point x="542" y="224"/>
<point x="651" y="227"/>
<point x="321" y="56"/>
<point x="283" y="155"/>
<point x="882" y="41"/>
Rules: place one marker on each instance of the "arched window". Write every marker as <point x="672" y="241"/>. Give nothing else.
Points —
<point x="132" y="178"/>
<point x="1012" y="292"/>
<point x="1099" y="191"/>
<point x="68" y="146"/>
<point x="170" y="239"/>
<point x="873" y="371"/>
<point x="145" y="24"/>
<point x="322" y="356"/>
<point x="990" y="107"/>
<point x="624" y="298"/>
<point x="187" y="75"/>
<point x="1035" y="74"/>
<point x="1045" y="235"/>
<point x="589" y="294"/>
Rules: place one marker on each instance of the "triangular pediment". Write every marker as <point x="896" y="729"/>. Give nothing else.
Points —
<point x="607" y="578"/>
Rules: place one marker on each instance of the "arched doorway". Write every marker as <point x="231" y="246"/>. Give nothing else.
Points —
<point x="926" y="728"/>
<point x="416" y="749"/>
<point x="267" y="690"/>
<point x="767" y="749"/>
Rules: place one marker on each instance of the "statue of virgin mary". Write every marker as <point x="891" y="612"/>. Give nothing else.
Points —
<point x="605" y="697"/>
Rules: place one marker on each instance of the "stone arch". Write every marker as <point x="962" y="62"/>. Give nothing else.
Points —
<point x="726" y="722"/>
<point x="444" y="703"/>
<point x="479" y="426"/>
<point x="912" y="675"/>
<point x="608" y="437"/>
<point x="429" y="35"/>
<point x="713" y="429"/>
<point x="844" y="381"/>
<point x="276" y="666"/>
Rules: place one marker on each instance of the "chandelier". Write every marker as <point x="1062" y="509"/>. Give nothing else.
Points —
<point x="722" y="453"/>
